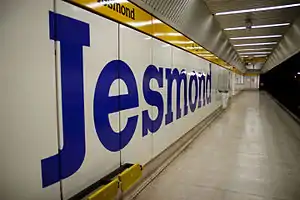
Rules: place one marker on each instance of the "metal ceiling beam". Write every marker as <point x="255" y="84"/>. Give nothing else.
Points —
<point x="288" y="46"/>
<point x="193" y="18"/>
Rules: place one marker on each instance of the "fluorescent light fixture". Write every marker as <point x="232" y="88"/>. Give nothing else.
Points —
<point x="271" y="25"/>
<point x="258" y="26"/>
<point x="257" y="56"/>
<point x="254" y="56"/>
<point x="256" y="37"/>
<point x="255" y="44"/>
<point x="258" y="49"/>
<point x="252" y="53"/>
<point x="144" y="23"/>
<point x="181" y="42"/>
<point x="193" y="48"/>
<point x="206" y="55"/>
<point x="235" y="28"/>
<point x="167" y="34"/>
<point x="298" y="73"/>
<point x="258" y="9"/>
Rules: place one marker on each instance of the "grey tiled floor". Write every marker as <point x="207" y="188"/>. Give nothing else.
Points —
<point x="252" y="152"/>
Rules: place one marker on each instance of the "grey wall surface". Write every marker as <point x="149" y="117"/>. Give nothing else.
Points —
<point x="288" y="46"/>
<point x="193" y="18"/>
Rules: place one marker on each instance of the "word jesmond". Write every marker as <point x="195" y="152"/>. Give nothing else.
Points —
<point x="71" y="156"/>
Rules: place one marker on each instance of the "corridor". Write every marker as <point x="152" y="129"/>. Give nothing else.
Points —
<point x="251" y="152"/>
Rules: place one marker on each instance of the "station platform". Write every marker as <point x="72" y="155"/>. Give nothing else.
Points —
<point x="251" y="152"/>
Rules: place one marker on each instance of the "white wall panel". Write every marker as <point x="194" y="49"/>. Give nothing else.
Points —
<point x="31" y="79"/>
<point x="216" y="96"/>
<point x="103" y="48"/>
<point x="185" y="61"/>
<point x="162" y="57"/>
<point x="28" y="99"/>
<point x="135" y="50"/>
<point x="180" y="60"/>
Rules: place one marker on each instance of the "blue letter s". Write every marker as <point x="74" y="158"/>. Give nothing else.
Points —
<point x="153" y="98"/>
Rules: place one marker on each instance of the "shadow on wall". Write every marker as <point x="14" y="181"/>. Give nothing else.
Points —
<point x="283" y="82"/>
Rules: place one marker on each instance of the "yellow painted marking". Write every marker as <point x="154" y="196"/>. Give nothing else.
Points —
<point x="107" y="192"/>
<point x="130" y="176"/>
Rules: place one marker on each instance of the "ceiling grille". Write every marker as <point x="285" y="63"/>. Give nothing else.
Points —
<point x="171" y="9"/>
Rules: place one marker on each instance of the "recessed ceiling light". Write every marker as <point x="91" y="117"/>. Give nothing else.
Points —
<point x="258" y="9"/>
<point x="249" y="53"/>
<point x="255" y="44"/>
<point x="258" y="49"/>
<point x="256" y="37"/>
<point x="258" y="26"/>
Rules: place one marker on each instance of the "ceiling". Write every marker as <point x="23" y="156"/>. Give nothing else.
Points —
<point x="193" y="19"/>
<point x="286" y="15"/>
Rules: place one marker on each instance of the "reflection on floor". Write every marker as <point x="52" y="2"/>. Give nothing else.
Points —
<point x="252" y="152"/>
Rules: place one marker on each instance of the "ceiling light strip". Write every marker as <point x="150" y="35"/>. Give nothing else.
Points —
<point x="258" y="49"/>
<point x="271" y="25"/>
<point x="193" y="47"/>
<point x="250" y="53"/>
<point x="254" y="56"/>
<point x="167" y="34"/>
<point x="257" y="56"/>
<point x="180" y="42"/>
<point x="257" y="26"/>
<point x="256" y="37"/>
<point x="258" y="9"/>
<point x="255" y="44"/>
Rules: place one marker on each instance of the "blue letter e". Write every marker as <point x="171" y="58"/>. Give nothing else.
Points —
<point x="72" y="35"/>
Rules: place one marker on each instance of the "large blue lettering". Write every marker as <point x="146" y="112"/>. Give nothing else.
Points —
<point x="153" y="98"/>
<point x="193" y="103"/>
<point x="70" y="157"/>
<point x="202" y="87"/>
<point x="105" y="104"/>
<point x="172" y="75"/>
<point x="208" y="82"/>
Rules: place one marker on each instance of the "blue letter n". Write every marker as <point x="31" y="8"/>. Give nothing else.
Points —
<point x="72" y="35"/>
